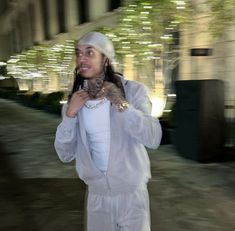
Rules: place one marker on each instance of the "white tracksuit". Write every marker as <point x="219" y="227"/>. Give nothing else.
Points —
<point x="118" y="200"/>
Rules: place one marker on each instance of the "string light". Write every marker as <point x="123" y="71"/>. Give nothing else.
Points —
<point x="140" y="34"/>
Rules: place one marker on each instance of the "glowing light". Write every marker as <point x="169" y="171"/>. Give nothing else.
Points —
<point x="148" y="7"/>
<point x="180" y="4"/>
<point x="144" y="12"/>
<point x="13" y="60"/>
<point x="180" y="7"/>
<point x="167" y="36"/>
<point x="130" y="10"/>
<point x="158" y="105"/>
<point x="2" y="77"/>
<point x="127" y="19"/>
<point x="126" y="47"/>
<point x="171" y="95"/>
<point x="63" y="101"/>
<point x="146" y="22"/>
<point x="155" y="45"/>
<point x="144" y="42"/>
<point x="3" y="64"/>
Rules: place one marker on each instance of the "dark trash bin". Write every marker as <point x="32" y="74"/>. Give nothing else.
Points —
<point x="200" y="122"/>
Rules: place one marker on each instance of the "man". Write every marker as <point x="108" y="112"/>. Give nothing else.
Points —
<point x="105" y="127"/>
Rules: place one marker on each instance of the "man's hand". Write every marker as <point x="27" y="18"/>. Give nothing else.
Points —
<point x="77" y="101"/>
<point x="114" y="95"/>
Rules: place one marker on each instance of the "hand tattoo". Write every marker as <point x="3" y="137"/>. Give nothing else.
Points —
<point x="114" y="95"/>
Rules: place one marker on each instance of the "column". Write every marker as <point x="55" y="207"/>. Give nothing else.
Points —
<point x="38" y="24"/>
<point x="71" y="14"/>
<point x="25" y="27"/>
<point x="53" y="26"/>
<point x="97" y="8"/>
<point x="5" y="46"/>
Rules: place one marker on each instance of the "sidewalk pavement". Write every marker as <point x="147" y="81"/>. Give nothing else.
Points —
<point x="38" y="192"/>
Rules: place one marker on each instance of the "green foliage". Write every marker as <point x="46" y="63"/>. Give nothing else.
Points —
<point x="42" y="59"/>
<point x="222" y="16"/>
<point x="47" y="102"/>
<point x="52" y="102"/>
<point x="36" y="100"/>
<point x="144" y="27"/>
<point x="3" y="70"/>
<point x="144" y="31"/>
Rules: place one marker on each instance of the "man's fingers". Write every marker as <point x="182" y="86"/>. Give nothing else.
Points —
<point x="80" y="96"/>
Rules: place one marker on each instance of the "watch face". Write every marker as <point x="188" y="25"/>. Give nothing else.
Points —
<point x="122" y="106"/>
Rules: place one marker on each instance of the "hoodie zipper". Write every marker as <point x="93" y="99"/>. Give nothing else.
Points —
<point x="110" y="155"/>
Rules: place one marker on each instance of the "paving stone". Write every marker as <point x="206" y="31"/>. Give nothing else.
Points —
<point x="39" y="193"/>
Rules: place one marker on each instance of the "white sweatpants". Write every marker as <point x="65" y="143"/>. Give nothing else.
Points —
<point x="122" y="212"/>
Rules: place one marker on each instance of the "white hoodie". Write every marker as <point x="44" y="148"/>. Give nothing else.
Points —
<point x="131" y="131"/>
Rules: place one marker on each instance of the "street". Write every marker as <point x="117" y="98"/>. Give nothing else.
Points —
<point x="38" y="192"/>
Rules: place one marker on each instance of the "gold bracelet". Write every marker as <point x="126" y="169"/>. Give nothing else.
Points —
<point x="122" y="106"/>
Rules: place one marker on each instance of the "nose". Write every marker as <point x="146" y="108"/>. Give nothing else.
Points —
<point x="81" y="59"/>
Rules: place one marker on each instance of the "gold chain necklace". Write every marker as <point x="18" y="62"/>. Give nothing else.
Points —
<point x="97" y="105"/>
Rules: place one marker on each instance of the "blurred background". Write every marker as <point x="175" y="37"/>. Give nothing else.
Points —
<point x="158" y="43"/>
<point x="183" y="51"/>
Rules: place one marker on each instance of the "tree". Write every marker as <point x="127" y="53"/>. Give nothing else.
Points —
<point x="222" y="16"/>
<point x="145" y="26"/>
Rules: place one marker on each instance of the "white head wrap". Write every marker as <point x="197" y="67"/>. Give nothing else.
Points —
<point x="100" y="42"/>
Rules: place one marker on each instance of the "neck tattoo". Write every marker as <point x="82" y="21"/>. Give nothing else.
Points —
<point x="95" y="86"/>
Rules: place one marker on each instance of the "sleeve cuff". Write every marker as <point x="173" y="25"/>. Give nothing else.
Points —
<point x="68" y="122"/>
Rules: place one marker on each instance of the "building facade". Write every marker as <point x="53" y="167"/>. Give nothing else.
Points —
<point x="25" y="23"/>
<point x="218" y="59"/>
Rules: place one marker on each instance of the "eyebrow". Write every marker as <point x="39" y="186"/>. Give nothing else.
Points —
<point x="87" y="48"/>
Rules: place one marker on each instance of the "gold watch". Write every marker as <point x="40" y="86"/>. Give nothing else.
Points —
<point x="122" y="106"/>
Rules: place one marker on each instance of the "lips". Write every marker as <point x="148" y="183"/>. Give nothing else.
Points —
<point x="84" y="68"/>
